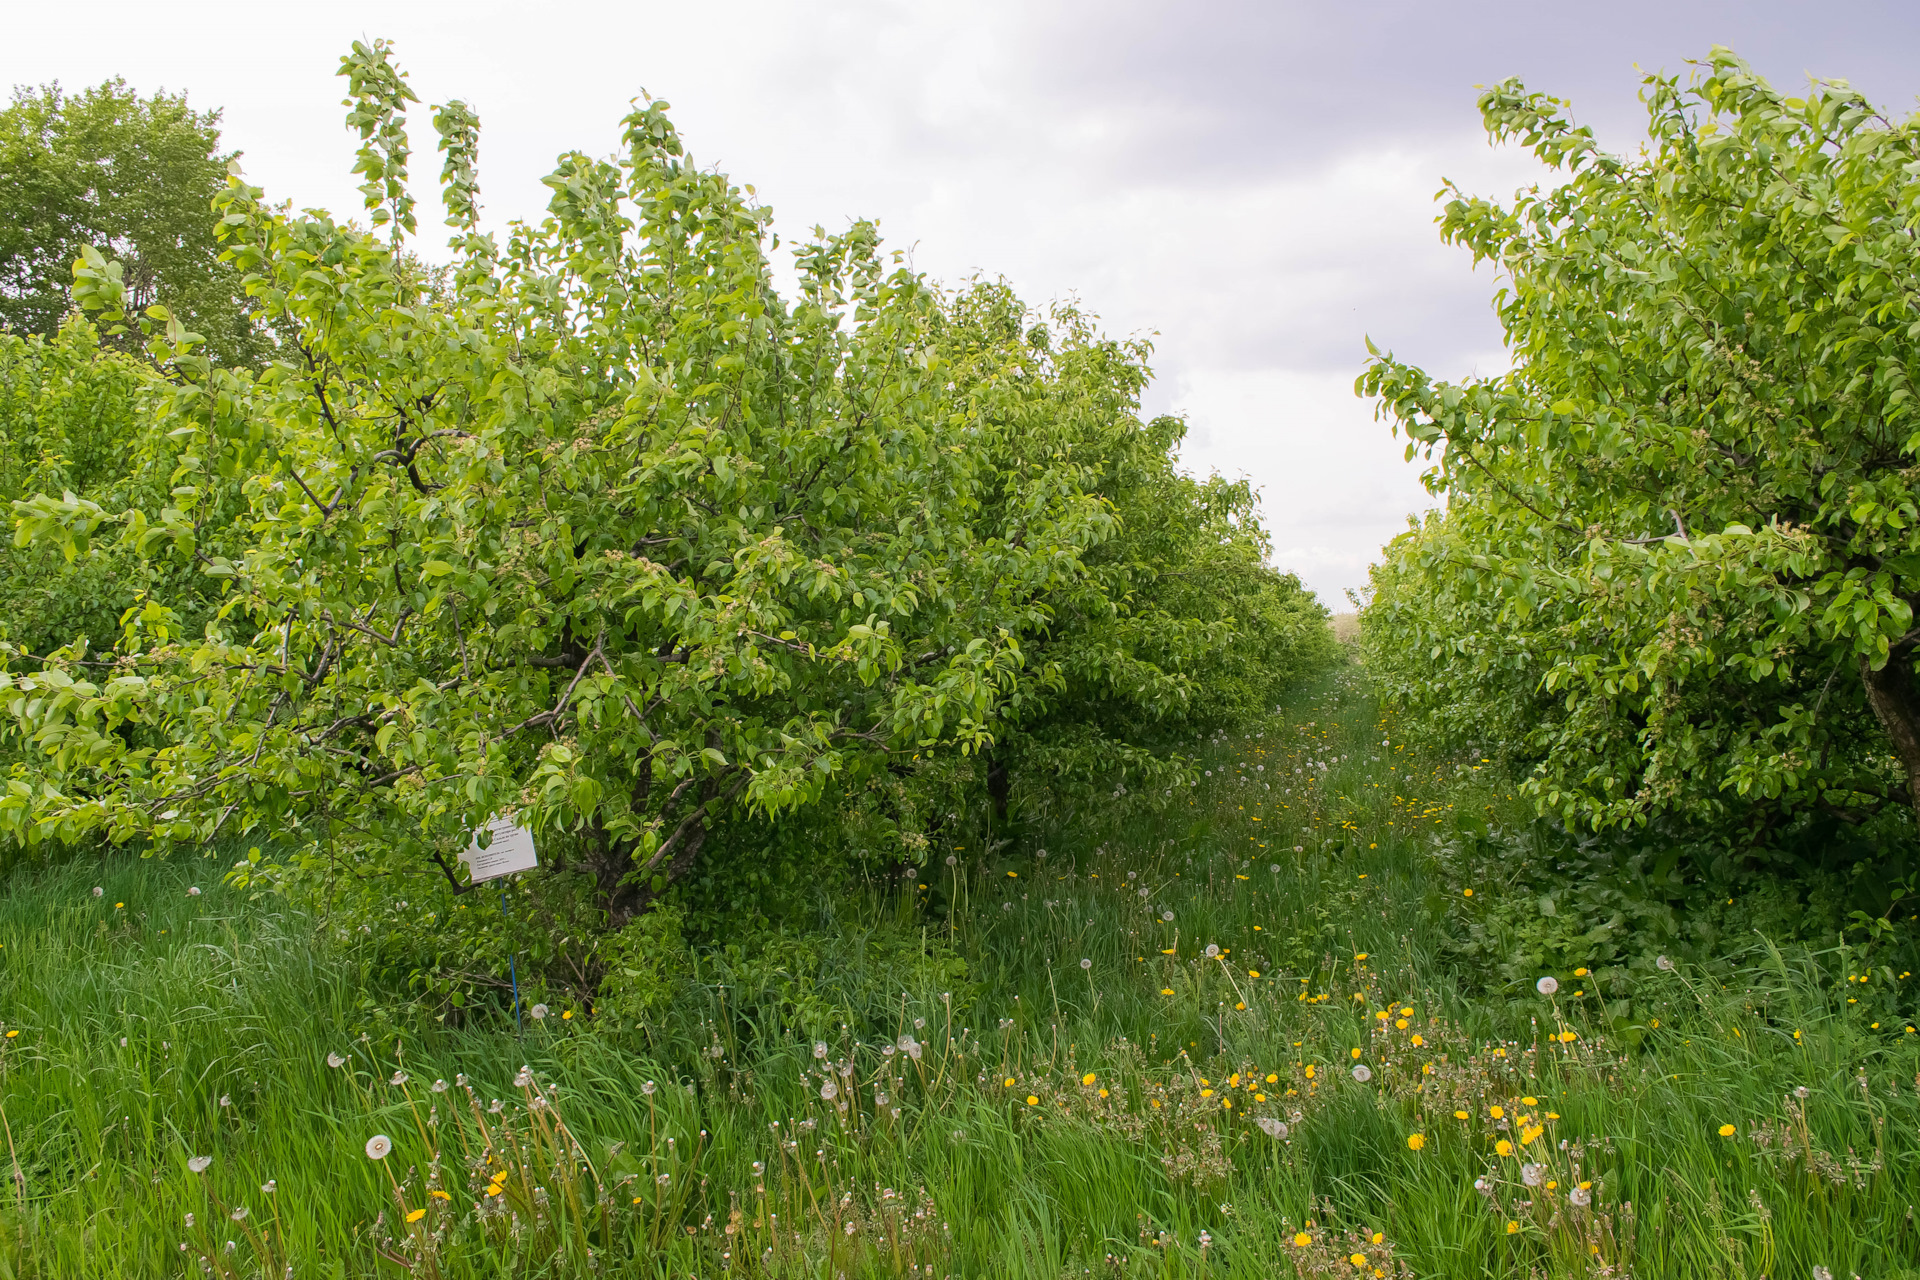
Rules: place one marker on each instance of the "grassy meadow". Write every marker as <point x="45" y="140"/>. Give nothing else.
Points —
<point x="1222" y="1033"/>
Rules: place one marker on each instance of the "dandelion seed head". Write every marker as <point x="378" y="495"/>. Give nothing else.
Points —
<point x="1547" y="985"/>
<point x="378" y="1146"/>
<point x="335" y="1061"/>
<point x="198" y="1164"/>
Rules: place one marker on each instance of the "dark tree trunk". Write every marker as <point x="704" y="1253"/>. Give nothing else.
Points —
<point x="1896" y="704"/>
<point x="999" y="790"/>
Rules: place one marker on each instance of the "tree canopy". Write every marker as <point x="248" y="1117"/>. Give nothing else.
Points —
<point x="1680" y="557"/>
<point x="599" y="529"/>
<point x="132" y="177"/>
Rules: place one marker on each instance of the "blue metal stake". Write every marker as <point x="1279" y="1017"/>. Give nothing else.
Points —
<point x="512" y="969"/>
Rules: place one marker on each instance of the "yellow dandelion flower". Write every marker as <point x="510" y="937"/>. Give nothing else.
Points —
<point x="1496" y="1112"/>
<point x="1032" y="1101"/>
<point x="1166" y="991"/>
<point x="1309" y="1071"/>
<point x="1415" y="1141"/>
<point x="1088" y="1078"/>
<point x="1460" y="1115"/>
<point x="1513" y="1228"/>
<point x="1301" y="1240"/>
<point x="1358" y="1259"/>
<point x="1009" y="1082"/>
<point x="1272" y="1079"/>
<point x="1377" y="1237"/>
<point x="1530" y="1102"/>
<point x="1353" y="1053"/>
<point x="1726" y="1131"/>
<point x="438" y="1194"/>
<point x="1418" y="1040"/>
<point x="1503" y="1148"/>
<point x="416" y="1215"/>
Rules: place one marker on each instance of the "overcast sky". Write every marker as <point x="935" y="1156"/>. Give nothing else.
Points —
<point x="1250" y="183"/>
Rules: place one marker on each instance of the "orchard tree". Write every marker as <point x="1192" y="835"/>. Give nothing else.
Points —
<point x="602" y="532"/>
<point x="1680" y="558"/>
<point x="1179" y="624"/>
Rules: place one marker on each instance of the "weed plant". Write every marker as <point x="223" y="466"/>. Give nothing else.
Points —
<point x="1222" y="1031"/>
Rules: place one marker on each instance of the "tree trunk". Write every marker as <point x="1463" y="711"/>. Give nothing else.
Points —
<point x="1896" y="704"/>
<point x="999" y="790"/>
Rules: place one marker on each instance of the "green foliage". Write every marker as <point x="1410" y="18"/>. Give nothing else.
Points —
<point x="605" y="532"/>
<point x="1677" y="570"/>
<point x="1178" y="626"/>
<point x="126" y="175"/>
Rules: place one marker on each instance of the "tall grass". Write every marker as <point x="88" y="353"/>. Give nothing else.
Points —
<point x="1187" y="1043"/>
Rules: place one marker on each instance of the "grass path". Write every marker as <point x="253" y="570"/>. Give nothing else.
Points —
<point x="1214" y="1033"/>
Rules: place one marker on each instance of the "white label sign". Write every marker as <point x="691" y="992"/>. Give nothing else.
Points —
<point x="510" y="851"/>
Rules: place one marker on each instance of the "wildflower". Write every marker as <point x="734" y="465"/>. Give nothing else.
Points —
<point x="539" y="1012"/>
<point x="1580" y="1197"/>
<point x="1496" y="1112"/>
<point x="1547" y="985"/>
<point x="239" y="1214"/>
<point x="1503" y="1148"/>
<point x="1301" y="1240"/>
<point x="1460" y="1115"/>
<point x="1662" y="963"/>
<point x="1275" y="1129"/>
<point x="1530" y="1102"/>
<point x="1085" y="963"/>
<point x="1166" y="991"/>
<point x="1361" y="956"/>
<point x="193" y="891"/>
<point x="523" y="1077"/>
<point x="98" y="892"/>
<point x="226" y="1100"/>
<point x="1309" y="1071"/>
<point x="439" y="1086"/>
<point x="268" y="1187"/>
<point x="1088" y="1078"/>
<point x="1418" y="1040"/>
<point x="1358" y="1259"/>
<point x="1032" y="1101"/>
<point x="1167" y="916"/>
<point x="1579" y="973"/>
<point x="648" y="1088"/>
<point x="1415" y="1141"/>
<point x="567" y="1016"/>
<point x="397" y="1078"/>
<point x="378" y="1146"/>
<point x="1363" y="1073"/>
<point x="1726" y="1131"/>
<point x="198" y="1164"/>
<point x="1800" y="1091"/>
<point x="1822" y="1273"/>
<point x="416" y="1215"/>
<point x="1009" y="1082"/>
<point x="1533" y="1174"/>
<point x="1353" y="1053"/>
<point x="829" y="1091"/>
<point x="1513" y="1228"/>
